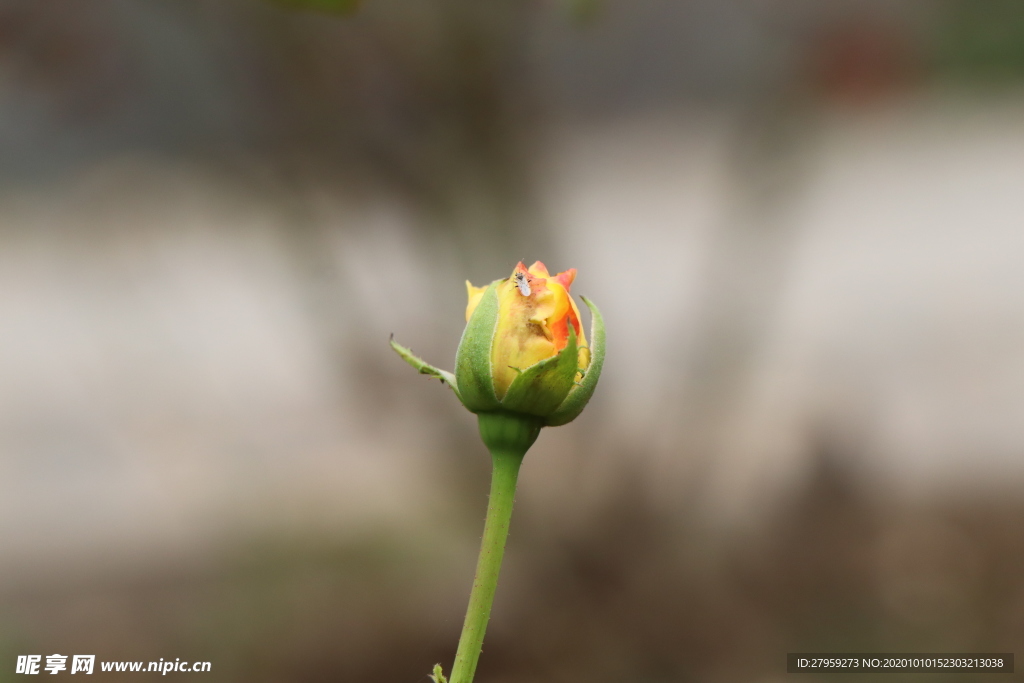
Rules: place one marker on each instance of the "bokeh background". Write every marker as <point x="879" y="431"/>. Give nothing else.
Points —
<point x="803" y="221"/>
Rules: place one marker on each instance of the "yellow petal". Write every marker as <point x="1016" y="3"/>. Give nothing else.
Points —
<point x="473" y="294"/>
<point x="538" y="269"/>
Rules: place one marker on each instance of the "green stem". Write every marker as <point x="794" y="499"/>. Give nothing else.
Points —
<point x="505" y="472"/>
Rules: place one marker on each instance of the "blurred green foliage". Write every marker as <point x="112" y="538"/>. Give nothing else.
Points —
<point x="981" y="42"/>
<point x="332" y="6"/>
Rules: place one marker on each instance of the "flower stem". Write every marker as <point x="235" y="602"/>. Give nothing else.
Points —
<point x="504" y="474"/>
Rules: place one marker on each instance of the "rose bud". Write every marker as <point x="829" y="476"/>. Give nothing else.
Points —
<point x="523" y="351"/>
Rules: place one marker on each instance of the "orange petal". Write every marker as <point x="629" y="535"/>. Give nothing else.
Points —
<point x="561" y="313"/>
<point x="566" y="278"/>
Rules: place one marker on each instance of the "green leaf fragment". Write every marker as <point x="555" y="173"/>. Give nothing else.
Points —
<point x="424" y="367"/>
<point x="438" y="675"/>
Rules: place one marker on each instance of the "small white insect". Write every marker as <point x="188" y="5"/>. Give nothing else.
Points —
<point x="522" y="283"/>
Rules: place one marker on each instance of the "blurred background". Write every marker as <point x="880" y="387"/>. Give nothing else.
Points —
<point x="803" y="222"/>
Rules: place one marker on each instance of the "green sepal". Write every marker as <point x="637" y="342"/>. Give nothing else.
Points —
<point x="541" y="388"/>
<point x="438" y="675"/>
<point x="580" y="393"/>
<point x="473" y="358"/>
<point x="424" y="367"/>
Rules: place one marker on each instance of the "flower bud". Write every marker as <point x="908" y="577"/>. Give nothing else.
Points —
<point x="523" y="350"/>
